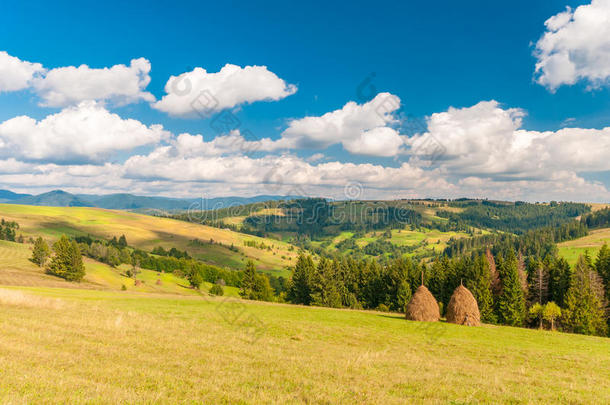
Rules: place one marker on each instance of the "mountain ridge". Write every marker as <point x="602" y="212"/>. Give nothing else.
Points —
<point x="126" y="201"/>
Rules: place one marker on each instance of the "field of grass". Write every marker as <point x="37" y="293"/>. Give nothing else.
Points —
<point x="89" y="346"/>
<point x="16" y="269"/>
<point x="591" y="243"/>
<point x="431" y="240"/>
<point x="147" y="232"/>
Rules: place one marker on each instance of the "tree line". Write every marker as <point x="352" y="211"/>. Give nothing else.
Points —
<point x="506" y="285"/>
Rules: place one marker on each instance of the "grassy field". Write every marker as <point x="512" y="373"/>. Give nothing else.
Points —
<point x="429" y="241"/>
<point x="89" y="346"/>
<point x="16" y="269"/>
<point x="147" y="232"/>
<point x="591" y="243"/>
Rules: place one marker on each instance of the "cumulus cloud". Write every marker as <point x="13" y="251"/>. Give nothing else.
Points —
<point x="201" y="92"/>
<point x="487" y="141"/>
<point x="84" y="133"/>
<point x="16" y="74"/>
<point x="70" y="85"/>
<point x="363" y="129"/>
<point x="575" y="46"/>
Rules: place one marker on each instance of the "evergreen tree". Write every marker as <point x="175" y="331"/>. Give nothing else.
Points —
<point x="67" y="261"/>
<point x="40" y="252"/>
<point x="511" y="303"/>
<point x="300" y="286"/>
<point x="480" y="285"/>
<point x="560" y="274"/>
<point x="248" y="281"/>
<point x="584" y="311"/>
<point x="255" y="286"/>
<point x="122" y="242"/>
<point x="602" y="265"/>
<point x="324" y="286"/>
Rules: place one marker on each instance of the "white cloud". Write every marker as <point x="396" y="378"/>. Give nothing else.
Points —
<point x="16" y="74"/>
<point x="85" y="133"/>
<point x="576" y="46"/>
<point x="363" y="129"/>
<point x="486" y="140"/>
<point x="201" y="92"/>
<point x="70" y="85"/>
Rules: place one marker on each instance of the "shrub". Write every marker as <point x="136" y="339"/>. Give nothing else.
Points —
<point x="217" y="289"/>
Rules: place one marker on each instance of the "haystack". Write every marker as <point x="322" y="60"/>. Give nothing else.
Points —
<point x="463" y="308"/>
<point x="423" y="306"/>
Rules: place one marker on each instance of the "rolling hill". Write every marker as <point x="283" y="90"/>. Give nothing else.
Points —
<point x="208" y="244"/>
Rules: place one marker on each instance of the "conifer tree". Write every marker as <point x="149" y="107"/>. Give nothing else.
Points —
<point x="585" y="310"/>
<point x="560" y="275"/>
<point x="511" y="303"/>
<point x="300" y="286"/>
<point x="40" y="252"/>
<point x="67" y="261"/>
<point x="324" y="287"/>
<point x="248" y="281"/>
<point x="480" y="287"/>
<point x="602" y="265"/>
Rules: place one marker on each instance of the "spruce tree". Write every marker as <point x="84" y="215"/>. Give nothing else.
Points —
<point x="602" y="265"/>
<point x="584" y="304"/>
<point x="300" y="286"/>
<point x="324" y="286"/>
<point x="248" y="281"/>
<point x="40" y="252"/>
<point x="511" y="303"/>
<point x="480" y="285"/>
<point x="67" y="261"/>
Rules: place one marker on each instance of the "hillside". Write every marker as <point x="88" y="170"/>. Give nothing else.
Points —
<point x="209" y="244"/>
<point x="590" y="243"/>
<point x="420" y="229"/>
<point x="17" y="270"/>
<point x="132" y="347"/>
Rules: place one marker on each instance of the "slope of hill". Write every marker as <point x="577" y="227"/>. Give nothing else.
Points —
<point x="591" y="243"/>
<point x="211" y="245"/>
<point x="16" y="269"/>
<point x="126" y="347"/>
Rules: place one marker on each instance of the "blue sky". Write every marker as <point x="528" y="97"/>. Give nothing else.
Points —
<point x="431" y="56"/>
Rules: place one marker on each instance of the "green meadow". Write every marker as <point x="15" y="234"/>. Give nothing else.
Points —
<point x="147" y="232"/>
<point x="591" y="243"/>
<point x="90" y="346"/>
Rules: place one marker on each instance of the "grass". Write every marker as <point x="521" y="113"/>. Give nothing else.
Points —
<point x="16" y="269"/>
<point x="147" y="232"/>
<point x="591" y="243"/>
<point x="88" y="346"/>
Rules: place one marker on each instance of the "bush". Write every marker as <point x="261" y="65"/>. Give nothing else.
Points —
<point x="217" y="290"/>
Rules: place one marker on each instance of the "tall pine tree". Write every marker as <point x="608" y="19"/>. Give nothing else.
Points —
<point x="585" y="310"/>
<point x="300" y="286"/>
<point x="511" y="303"/>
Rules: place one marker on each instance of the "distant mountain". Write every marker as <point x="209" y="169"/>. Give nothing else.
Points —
<point x="55" y="198"/>
<point x="59" y="198"/>
<point x="8" y="196"/>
